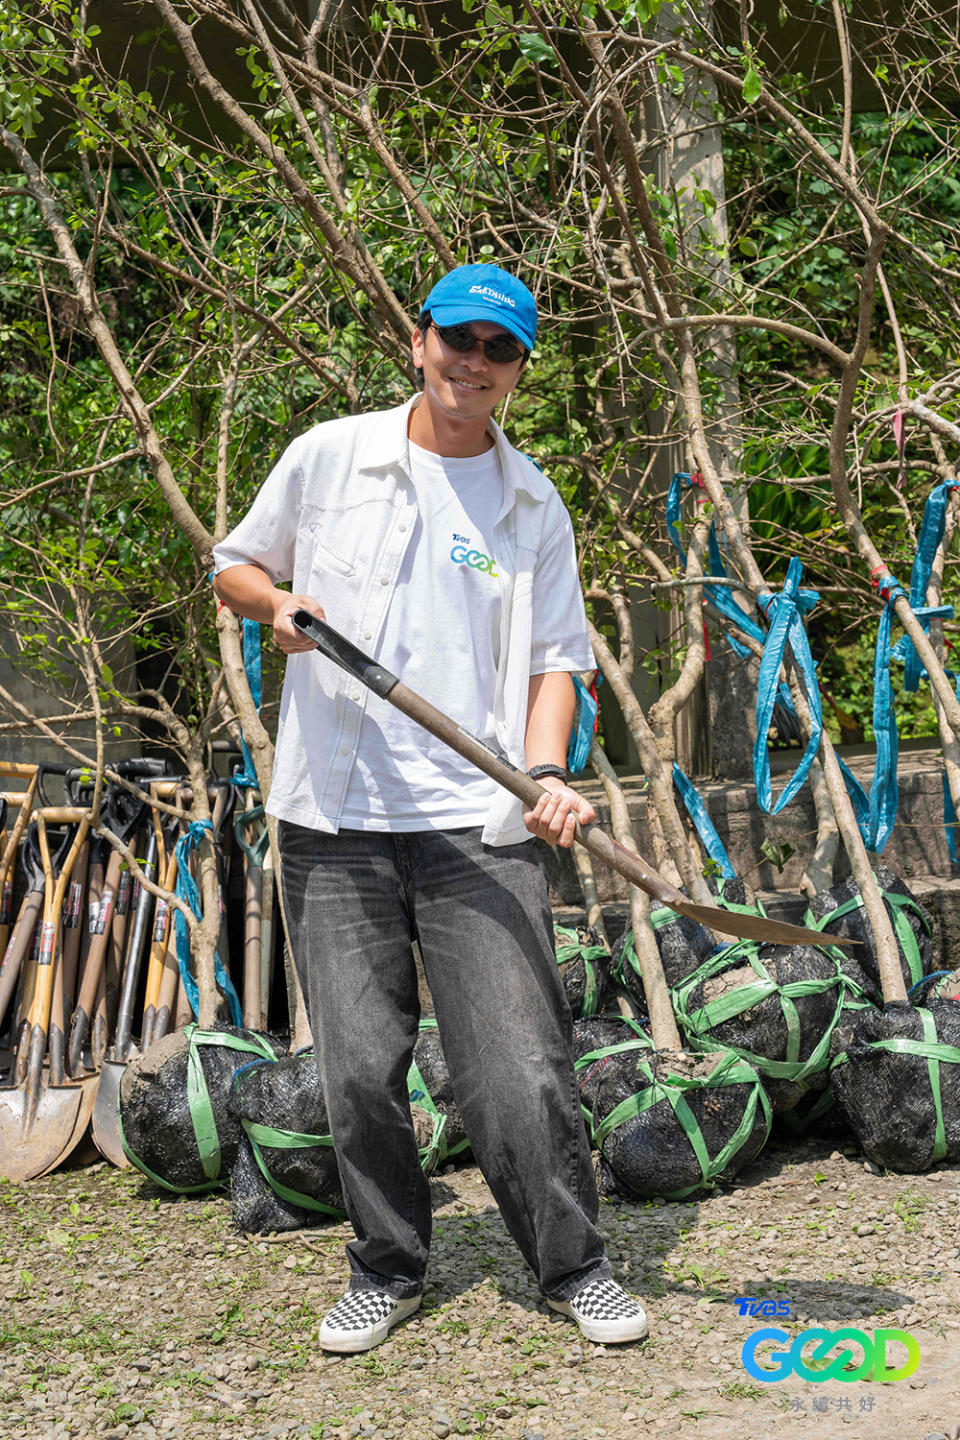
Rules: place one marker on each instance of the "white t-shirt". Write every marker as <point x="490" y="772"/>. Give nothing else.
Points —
<point x="442" y="635"/>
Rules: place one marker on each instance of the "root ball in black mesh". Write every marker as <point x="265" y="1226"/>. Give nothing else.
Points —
<point x="434" y="1087"/>
<point x="840" y="911"/>
<point x="683" y="945"/>
<point x="671" y="1123"/>
<point x="174" y="1108"/>
<point x="897" y="1083"/>
<point x="281" y="1109"/>
<point x="776" y="1005"/>
<point x="596" y="1042"/>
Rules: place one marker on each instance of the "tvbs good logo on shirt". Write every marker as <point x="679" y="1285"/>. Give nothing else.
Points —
<point x="461" y="554"/>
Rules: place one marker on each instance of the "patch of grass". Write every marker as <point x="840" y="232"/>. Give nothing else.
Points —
<point x="908" y="1208"/>
<point x="126" y="1411"/>
<point x="95" y="1339"/>
<point x="374" y="1365"/>
<point x="740" y="1390"/>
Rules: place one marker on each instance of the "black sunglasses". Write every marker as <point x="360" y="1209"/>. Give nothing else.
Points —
<point x="501" y="349"/>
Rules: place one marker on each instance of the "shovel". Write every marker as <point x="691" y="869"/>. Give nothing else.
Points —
<point x="167" y="869"/>
<point x="21" y="938"/>
<point x="103" y="888"/>
<point x="105" y="1121"/>
<point x="64" y="985"/>
<point x="37" y="1120"/>
<point x="9" y="859"/>
<point x="46" y="868"/>
<point x="123" y="813"/>
<point x="13" y="947"/>
<point x="165" y="1006"/>
<point x="610" y="852"/>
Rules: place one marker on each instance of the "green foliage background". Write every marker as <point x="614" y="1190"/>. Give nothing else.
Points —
<point x="195" y="243"/>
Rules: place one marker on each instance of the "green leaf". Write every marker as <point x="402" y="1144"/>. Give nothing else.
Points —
<point x="536" y="49"/>
<point x="752" y="86"/>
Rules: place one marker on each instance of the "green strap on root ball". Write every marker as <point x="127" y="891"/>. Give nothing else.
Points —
<point x="658" y="918"/>
<point x="899" y="904"/>
<point x="260" y="1135"/>
<point x="569" y="946"/>
<point x="936" y="1054"/>
<point x="731" y="1070"/>
<point x="642" y="1041"/>
<point x="201" y="1110"/>
<point x="699" y="1023"/>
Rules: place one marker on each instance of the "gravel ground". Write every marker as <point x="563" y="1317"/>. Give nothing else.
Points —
<point x="129" y="1313"/>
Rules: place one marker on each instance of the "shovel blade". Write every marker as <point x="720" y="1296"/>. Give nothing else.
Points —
<point x="758" y="927"/>
<point x="79" y="1140"/>
<point x="105" y="1119"/>
<point x="31" y="1147"/>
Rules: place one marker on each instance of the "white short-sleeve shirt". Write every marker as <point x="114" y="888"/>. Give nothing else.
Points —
<point x="337" y="516"/>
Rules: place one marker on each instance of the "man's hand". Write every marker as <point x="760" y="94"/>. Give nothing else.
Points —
<point x="557" y="812"/>
<point x="289" y="639"/>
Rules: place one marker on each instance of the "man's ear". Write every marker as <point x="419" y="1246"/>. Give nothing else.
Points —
<point x="417" y="342"/>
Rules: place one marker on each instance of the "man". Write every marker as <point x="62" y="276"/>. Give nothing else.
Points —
<point x="424" y="537"/>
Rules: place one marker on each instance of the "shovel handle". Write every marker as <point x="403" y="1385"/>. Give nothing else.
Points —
<point x="632" y="867"/>
<point x="17" y="946"/>
<point x="100" y="927"/>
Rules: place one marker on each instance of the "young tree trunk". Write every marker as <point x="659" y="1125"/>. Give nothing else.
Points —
<point x="663" y="1026"/>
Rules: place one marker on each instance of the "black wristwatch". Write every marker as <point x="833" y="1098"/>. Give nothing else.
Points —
<point x="536" y="771"/>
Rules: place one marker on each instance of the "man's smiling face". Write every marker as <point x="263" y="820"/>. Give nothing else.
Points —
<point x="464" y="385"/>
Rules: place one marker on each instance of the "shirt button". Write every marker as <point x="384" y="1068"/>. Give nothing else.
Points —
<point x="355" y="695"/>
<point x="344" y="749"/>
<point x="367" y="635"/>
<point x="384" y="579"/>
<point x="402" y="529"/>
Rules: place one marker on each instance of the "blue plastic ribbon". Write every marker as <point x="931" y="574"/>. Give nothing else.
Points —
<point x="931" y="533"/>
<point x="253" y="665"/>
<point x="719" y="596"/>
<point x="703" y="825"/>
<point x="186" y="889"/>
<point x="786" y="611"/>
<point x="949" y="819"/>
<point x="877" y="812"/>
<point x="581" y="736"/>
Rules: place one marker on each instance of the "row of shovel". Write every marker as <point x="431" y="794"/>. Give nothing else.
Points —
<point x="90" y="974"/>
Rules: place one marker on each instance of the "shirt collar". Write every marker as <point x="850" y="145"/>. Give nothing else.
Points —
<point x="387" y="444"/>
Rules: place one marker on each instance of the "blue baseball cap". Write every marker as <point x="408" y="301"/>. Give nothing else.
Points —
<point x="484" y="292"/>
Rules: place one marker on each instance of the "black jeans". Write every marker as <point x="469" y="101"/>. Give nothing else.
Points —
<point x="354" y="901"/>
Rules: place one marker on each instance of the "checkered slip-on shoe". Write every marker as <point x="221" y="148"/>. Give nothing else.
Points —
<point x="362" y="1319"/>
<point x="604" y="1313"/>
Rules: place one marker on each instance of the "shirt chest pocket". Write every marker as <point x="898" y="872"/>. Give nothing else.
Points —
<point x="340" y="540"/>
